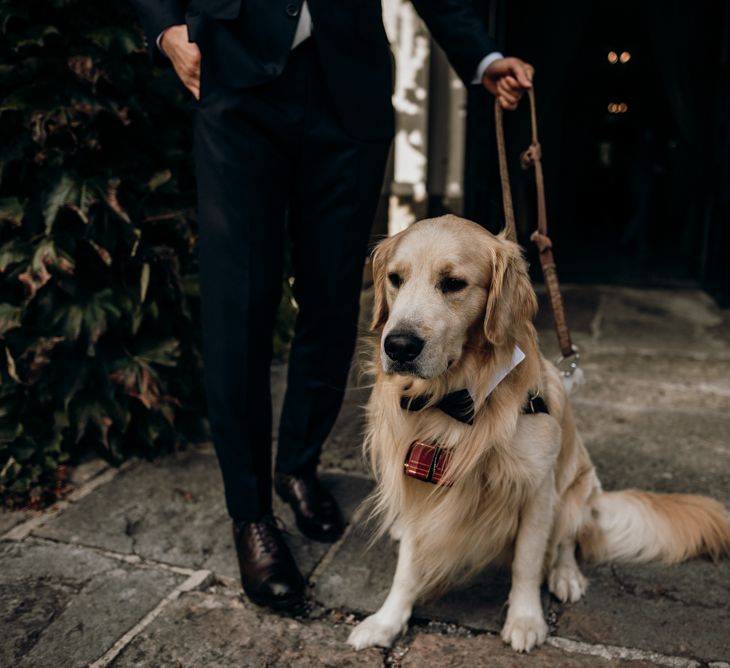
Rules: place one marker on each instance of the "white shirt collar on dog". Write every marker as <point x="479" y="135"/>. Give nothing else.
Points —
<point x="501" y="373"/>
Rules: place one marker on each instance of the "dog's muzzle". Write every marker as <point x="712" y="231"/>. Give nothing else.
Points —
<point x="403" y="347"/>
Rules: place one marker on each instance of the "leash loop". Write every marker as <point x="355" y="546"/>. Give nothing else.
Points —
<point x="532" y="157"/>
<point x="528" y="157"/>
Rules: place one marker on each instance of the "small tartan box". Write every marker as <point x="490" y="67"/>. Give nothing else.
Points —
<point x="426" y="462"/>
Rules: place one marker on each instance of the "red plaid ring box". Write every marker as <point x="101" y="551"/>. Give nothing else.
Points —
<point x="426" y="462"/>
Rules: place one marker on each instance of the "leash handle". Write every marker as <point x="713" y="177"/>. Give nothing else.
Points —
<point x="532" y="157"/>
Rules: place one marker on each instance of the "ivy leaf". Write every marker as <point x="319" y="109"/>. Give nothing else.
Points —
<point x="11" y="12"/>
<point x="38" y="357"/>
<point x="96" y="310"/>
<point x="70" y="319"/>
<point x="9" y="471"/>
<point x="11" y="210"/>
<point x="37" y="274"/>
<point x="12" y="370"/>
<point x="140" y="381"/>
<point x="44" y="256"/>
<point x="112" y="200"/>
<point x="87" y="197"/>
<point x="102" y="252"/>
<point x="64" y="191"/>
<point x="9" y="317"/>
<point x="144" y="281"/>
<point x="14" y="150"/>
<point x="90" y="410"/>
<point x="166" y="353"/>
<point x="12" y="252"/>
<point x="37" y="36"/>
<point x="9" y="431"/>
<point x="114" y="38"/>
<point x="159" y="179"/>
<point x="23" y="449"/>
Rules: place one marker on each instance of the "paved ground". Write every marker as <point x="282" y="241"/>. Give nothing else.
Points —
<point x="136" y="568"/>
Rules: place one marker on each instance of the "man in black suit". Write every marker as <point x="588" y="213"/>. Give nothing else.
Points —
<point x="293" y="122"/>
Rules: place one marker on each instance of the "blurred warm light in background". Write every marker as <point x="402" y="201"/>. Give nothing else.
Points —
<point x="618" y="108"/>
<point x="614" y="57"/>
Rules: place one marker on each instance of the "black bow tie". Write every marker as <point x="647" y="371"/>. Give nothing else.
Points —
<point x="460" y="406"/>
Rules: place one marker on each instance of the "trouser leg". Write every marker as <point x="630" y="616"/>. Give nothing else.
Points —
<point x="242" y="179"/>
<point x="335" y="191"/>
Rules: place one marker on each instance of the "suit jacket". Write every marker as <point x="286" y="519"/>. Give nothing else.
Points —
<point x="246" y="42"/>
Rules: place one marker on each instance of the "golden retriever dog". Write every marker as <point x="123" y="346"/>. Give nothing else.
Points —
<point x="454" y="309"/>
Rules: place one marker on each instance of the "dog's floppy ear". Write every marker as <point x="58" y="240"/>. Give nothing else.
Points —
<point x="511" y="302"/>
<point x="379" y="261"/>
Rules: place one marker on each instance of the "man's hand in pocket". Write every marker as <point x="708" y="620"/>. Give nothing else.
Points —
<point x="184" y="55"/>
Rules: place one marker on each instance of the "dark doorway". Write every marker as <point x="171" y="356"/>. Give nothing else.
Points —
<point x="618" y="142"/>
<point x="628" y="101"/>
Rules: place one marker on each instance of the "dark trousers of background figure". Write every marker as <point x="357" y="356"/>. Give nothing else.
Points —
<point x="263" y="155"/>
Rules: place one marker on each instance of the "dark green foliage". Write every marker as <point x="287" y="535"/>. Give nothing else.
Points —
<point x="99" y="327"/>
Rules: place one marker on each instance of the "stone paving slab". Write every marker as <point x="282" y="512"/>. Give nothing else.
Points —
<point x="676" y="389"/>
<point x="581" y="305"/>
<point x="359" y="577"/>
<point x="343" y="448"/>
<point x="669" y="320"/>
<point x="679" y="610"/>
<point x="173" y="511"/>
<point x="65" y="606"/>
<point x="219" y="630"/>
<point x="11" y="518"/>
<point x="703" y="373"/>
<point x="489" y="650"/>
<point x="78" y="475"/>
<point x="661" y="451"/>
<point x="672" y="321"/>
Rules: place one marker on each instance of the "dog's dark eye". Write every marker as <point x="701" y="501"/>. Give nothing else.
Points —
<point x="395" y="279"/>
<point x="451" y="284"/>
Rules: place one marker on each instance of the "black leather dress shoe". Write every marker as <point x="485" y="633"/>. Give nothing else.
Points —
<point x="269" y="574"/>
<point x="317" y="513"/>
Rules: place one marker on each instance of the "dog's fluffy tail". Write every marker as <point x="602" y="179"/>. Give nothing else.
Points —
<point x="642" y="526"/>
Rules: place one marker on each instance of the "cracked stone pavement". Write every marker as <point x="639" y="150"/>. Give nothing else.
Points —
<point x="136" y="567"/>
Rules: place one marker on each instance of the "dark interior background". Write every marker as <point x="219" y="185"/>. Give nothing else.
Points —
<point x="639" y="196"/>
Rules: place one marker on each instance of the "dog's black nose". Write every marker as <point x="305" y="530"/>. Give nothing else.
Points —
<point x="402" y="346"/>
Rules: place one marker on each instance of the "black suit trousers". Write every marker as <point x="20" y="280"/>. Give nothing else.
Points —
<point x="273" y="158"/>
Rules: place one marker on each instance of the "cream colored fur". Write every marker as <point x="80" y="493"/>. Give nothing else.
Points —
<point x="523" y="489"/>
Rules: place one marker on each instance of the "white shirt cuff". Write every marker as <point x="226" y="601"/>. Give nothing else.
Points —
<point x="158" y="41"/>
<point x="484" y="64"/>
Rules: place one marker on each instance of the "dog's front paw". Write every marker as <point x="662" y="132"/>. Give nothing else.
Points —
<point x="567" y="583"/>
<point x="524" y="632"/>
<point x="375" y="631"/>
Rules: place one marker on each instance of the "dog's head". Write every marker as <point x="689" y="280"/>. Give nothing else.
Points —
<point x="443" y="286"/>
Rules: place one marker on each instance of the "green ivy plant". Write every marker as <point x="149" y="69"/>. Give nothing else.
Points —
<point x="99" y="312"/>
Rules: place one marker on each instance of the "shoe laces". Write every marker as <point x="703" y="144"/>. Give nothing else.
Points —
<point x="262" y="531"/>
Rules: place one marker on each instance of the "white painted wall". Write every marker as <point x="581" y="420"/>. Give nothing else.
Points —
<point x="409" y="189"/>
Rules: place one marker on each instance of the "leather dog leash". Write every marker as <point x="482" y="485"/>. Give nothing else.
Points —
<point x="531" y="157"/>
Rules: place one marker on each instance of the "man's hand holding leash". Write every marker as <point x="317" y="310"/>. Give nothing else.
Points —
<point x="507" y="79"/>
